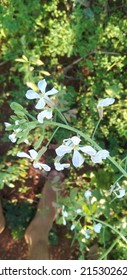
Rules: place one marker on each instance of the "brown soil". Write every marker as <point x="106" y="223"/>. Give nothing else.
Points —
<point x="17" y="249"/>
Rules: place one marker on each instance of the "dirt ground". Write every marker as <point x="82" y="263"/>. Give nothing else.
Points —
<point x="11" y="249"/>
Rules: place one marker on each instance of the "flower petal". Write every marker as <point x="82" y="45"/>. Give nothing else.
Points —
<point x="12" y="138"/>
<point x="76" y="140"/>
<point x="102" y="154"/>
<point x="23" y="155"/>
<point x="40" y="104"/>
<point x="17" y="122"/>
<point x="86" y="233"/>
<point x="33" y="154"/>
<point x="97" y="227"/>
<point x="30" y="94"/>
<point x="51" y="92"/>
<point x="121" y="193"/>
<point x="62" y="150"/>
<point x="73" y="227"/>
<point x="7" y="124"/>
<point x="88" y="150"/>
<point x="88" y="194"/>
<point x="40" y="166"/>
<point x="26" y="141"/>
<point x="60" y="166"/>
<point x="77" y="159"/>
<point x="42" y="85"/>
<point x="106" y="102"/>
<point x="44" y="114"/>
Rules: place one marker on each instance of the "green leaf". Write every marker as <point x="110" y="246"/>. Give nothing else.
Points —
<point x="16" y="106"/>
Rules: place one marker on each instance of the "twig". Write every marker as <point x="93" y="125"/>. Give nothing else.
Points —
<point x="70" y="66"/>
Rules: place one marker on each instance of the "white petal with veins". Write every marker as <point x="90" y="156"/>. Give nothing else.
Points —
<point x="31" y="94"/>
<point x="102" y="154"/>
<point x="77" y="159"/>
<point x="40" y="166"/>
<point x="88" y="150"/>
<point x="42" y="85"/>
<point x="40" y="104"/>
<point x="23" y="155"/>
<point x="76" y="140"/>
<point x="33" y="154"/>
<point x="106" y="102"/>
<point x="62" y="150"/>
<point x="51" y="92"/>
<point x="60" y="166"/>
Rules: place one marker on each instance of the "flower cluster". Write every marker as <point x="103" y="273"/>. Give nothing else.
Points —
<point x="72" y="145"/>
<point x="33" y="157"/>
<point x="44" y="102"/>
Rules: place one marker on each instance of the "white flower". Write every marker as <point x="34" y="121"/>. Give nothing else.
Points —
<point x="88" y="194"/>
<point x="44" y="114"/>
<point x="13" y="137"/>
<point x="73" y="227"/>
<point x="117" y="190"/>
<point x="65" y="215"/>
<point x="99" y="156"/>
<point x="105" y="102"/>
<point x="73" y="144"/>
<point x="79" y="211"/>
<point x="43" y="96"/>
<point x="40" y="165"/>
<point x="97" y="227"/>
<point x="60" y="166"/>
<point x="33" y="155"/>
<point x="86" y="233"/>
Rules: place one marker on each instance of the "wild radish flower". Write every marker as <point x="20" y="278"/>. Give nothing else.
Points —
<point x="97" y="227"/>
<point x="78" y="211"/>
<point x="72" y="144"/>
<point x="88" y="194"/>
<point x="32" y="156"/>
<point x="44" y="114"/>
<point x="117" y="190"/>
<point x="13" y="136"/>
<point x="73" y="226"/>
<point x="86" y="233"/>
<point x="104" y="103"/>
<point x="43" y="96"/>
<point x="99" y="156"/>
<point x="65" y="215"/>
<point x="60" y="166"/>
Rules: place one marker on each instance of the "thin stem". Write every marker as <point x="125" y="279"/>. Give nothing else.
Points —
<point x="96" y="128"/>
<point x="113" y="229"/>
<point x="110" y="248"/>
<point x="52" y="136"/>
<point x="87" y="138"/>
<point x="61" y="115"/>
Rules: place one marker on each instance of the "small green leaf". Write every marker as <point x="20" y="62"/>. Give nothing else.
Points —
<point x="16" y="106"/>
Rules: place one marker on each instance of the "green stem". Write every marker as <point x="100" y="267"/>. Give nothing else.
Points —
<point x="96" y="128"/>
<point x="52" y="136"/>
<point x="113" y="229"/>
<point x="110" y="248"/>
<point x="87" y="138"/>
